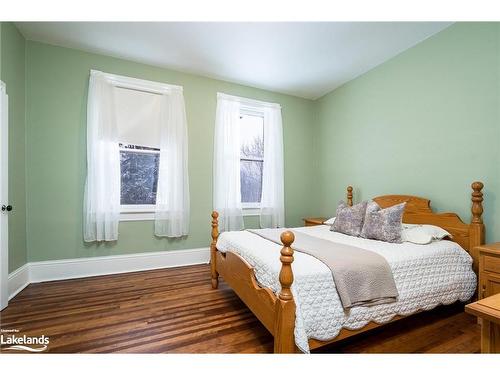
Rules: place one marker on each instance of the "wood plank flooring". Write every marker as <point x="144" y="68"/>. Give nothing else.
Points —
<point x="176" y="311"/>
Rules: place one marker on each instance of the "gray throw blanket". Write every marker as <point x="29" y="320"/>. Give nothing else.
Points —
<point x="362" y="277"/>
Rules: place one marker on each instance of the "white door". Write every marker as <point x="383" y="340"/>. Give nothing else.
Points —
<point x="4" y="205"/>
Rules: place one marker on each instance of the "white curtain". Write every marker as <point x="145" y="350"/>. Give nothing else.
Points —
<point x="172" y="198"/>
<point x="102" y="188"/>
<point x="272" y="211"/>
<point x="226" y="164"/>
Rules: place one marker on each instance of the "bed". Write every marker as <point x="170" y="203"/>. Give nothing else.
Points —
<point x="294" y="295"/>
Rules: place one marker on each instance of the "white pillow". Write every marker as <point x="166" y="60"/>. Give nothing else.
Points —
<point x="422" y="233"/>
<point x="415" y="235"/>
<point x="330" y="221"/>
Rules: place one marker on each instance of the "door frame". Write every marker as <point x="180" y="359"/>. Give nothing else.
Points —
<point x="4" y="198"/>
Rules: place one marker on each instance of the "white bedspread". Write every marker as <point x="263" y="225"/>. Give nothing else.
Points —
<point x="425" y="275"/>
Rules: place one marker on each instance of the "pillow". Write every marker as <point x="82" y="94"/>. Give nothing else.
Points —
<point x="349" y="220"/>
<point x="383" y="224"/>
<point x="416" y="232"/>
<point x="330" y="221"/>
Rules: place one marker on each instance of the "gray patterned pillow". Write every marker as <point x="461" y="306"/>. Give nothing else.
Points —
<point x="383" y="224"/>
<point x="349" y="220"/>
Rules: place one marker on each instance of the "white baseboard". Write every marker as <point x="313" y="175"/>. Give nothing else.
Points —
<point x="18" y="280"/>
<point x="35" y="272"/>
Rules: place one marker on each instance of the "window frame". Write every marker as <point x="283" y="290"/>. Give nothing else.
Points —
<point x="252" y="208"/>
<point x="137" y="212"/>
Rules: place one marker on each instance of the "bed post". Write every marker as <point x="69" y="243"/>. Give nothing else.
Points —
<point x="213" y="250"/>
<point x="284" y="340"/>
<point x="476" y="231"/>
<point x="349" y="195"/>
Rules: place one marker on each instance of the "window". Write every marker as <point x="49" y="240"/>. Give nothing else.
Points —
<point x="248" y="162"/>
<point x="128" y="121"/>
<point x="138" y="123"/>
<point x="251" y="158"/>
<point x="139" y="175"/>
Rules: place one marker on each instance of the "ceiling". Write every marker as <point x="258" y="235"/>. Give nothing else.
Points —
<point x="305" y="59"/>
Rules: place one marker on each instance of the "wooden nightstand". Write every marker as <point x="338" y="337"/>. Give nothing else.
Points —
<point x="311" y="221"/>
<point x="488" y="309"/>
<point x="489" y="269"/>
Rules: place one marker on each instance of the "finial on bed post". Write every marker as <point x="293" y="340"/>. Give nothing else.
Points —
<point x="286" y="275"/>
<point x="349" y="195"/>
<point x="477" y="202"/>
<point x="284" y="323"/>
<point x="213" y="250"/>
<point x="476" y="231"/>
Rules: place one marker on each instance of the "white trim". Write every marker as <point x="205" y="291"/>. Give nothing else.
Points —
<point x="251" y="111"/>
<point x="136" y="216"/>
<point x="4" y="196"/>
<point x="250" y="205"/>
<point x="112" y="264"/>
<point x="126" y="208"/>
<point x="251" y="103"/>
<point x="123" y="149"/>
<point x="35" y="272"/>
<point x="137" y="84"/>
<point x="251" y="211"/>
<point x="249" y="158"/>
<point x="137" y="212"/>
<point x="18" y="280"/>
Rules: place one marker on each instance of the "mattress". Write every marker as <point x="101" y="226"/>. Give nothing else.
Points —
<point x="426" y="276"/>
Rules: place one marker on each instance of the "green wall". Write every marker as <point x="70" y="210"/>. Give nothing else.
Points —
<point x="425" y="123"/>
<point x="57" y="80"/>
<point x="12" y="72"/>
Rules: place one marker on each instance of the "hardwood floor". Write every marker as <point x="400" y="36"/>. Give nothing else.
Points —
<point x="176" y="311"/>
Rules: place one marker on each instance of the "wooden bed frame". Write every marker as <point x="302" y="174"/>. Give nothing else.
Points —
<point x="277" y="312"/>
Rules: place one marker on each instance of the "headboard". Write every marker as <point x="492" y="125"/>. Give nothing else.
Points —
<point x="418" y="211"/>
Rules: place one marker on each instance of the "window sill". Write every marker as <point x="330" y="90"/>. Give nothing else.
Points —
<point x="251" y="211"/>
<point x="137" y="216"/>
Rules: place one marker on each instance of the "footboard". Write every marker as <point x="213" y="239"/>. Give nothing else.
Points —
<point x="240" y="276"/>
<point x="276" y="313"/>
